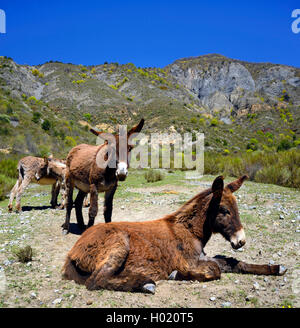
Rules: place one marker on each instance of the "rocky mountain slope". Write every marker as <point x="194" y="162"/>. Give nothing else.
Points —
<point x="211" y="93"/>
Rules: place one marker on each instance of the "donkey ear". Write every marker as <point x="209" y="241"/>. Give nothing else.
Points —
<point x="137" y="128"/>
<point x="96" y="133"/>
<point x="235" y="185"/>
<point x="218" y="186"/>
<point x="46" y="160"/>
<point x="104" y="135"/>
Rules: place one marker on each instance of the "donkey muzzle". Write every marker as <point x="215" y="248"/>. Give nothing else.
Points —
<point x="37" y="177"/>
<point x="238" y="239"/>
<point x="122" y="171"/>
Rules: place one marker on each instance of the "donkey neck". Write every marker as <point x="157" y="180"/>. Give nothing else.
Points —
<point x="56" y="170"/>
<point x="194" y="216"/>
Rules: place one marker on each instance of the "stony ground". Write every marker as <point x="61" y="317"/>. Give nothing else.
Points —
<point x="270" y="215"/>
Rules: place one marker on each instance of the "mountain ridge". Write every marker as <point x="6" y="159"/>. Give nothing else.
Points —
<point x="185" y="96"/>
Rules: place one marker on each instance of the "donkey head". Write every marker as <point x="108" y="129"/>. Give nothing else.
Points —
<point x="119" y="148"/>
<point x="224" y="212"/>
<point x="42" y="170"/>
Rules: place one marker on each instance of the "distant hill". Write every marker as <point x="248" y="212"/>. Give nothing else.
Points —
<point x="47" y="108"/>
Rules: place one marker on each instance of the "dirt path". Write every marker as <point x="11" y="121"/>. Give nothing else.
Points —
<point x="39" y="284"/>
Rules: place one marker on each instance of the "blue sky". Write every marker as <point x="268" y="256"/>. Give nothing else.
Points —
<point x="148" y="33"/>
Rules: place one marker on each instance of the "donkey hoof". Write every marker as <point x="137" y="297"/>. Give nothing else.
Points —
<point x="173" y="275"/>
<point x="149" y="289"/>
<point x="282" y="270"/>
<point x="65" y="232"/>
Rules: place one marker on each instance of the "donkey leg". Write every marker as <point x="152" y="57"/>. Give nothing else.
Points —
<point x="108" y="273"/>
<point x="20" y="191"/>
<point x="229" y="264"/>
<point x="86" y="202"/>
<point x="205" y="271"/>
<point x="108" y="203"/>
<point x="78" y="208"/>
<point x="115" y="257"/>
<point x="12" y="195"/>
<point x="54" y="194"/>
<point x="93" y="210"/>
<point x="69" y="205"/>
<point x="63" y="195"/>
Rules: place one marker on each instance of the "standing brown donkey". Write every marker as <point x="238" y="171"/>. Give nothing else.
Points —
<point x="131" y="256"/>
<point x="94" y="169"/>
<point x="34" y="170"/>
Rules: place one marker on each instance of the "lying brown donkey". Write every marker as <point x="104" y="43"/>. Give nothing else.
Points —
<point x="131" y="256"/>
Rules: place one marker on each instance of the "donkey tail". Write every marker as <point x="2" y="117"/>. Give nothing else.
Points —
<point x="72" y="272"/>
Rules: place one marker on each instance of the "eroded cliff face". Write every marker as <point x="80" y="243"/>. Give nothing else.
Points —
<point x="228" y="85"/>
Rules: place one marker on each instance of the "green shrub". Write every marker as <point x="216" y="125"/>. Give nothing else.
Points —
<point x="36" y="117"/>
<point x="44" y="151"/>
<point x="4" y="118"/>
<point x="153" y="175"/>
<point x="87" y="117"/>
<point x="253" y="144"/>
<point x="36" y="72"/>
<point x="24" y="255"/>
<point x="46" y="125"/>
<point x="6" y="184"/>
<point x="284" y="144"/>
<point x="70" y="142"/>
<point x="274" y="174"/>
<point x="214" y="122"/>
<point x="8" y="167"/>
<point x="281" y="168"/>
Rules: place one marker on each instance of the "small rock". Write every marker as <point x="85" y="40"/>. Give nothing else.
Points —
<point x="248" y="298"/>
<point x="281" y="217"/>
<point x="256" y="286"/>
<point x="212" y="299"/>
<point x="33" y="295"/>
<point x="266" y="279"/>
<point x="226" y="304"/>
<point x="271" y="262"/>
<point x="71" y="297"/>
<point x="204" y="286"/>
<point x="236" y="281"/>
<point x="122" y="207"/>
<point x="89" y="302"/>
<point x="7" y="262"/>
<point x="57" y="301"/>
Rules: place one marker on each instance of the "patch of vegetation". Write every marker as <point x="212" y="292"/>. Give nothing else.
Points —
<point x="282" y="168"/>
<point x="37" y="73"/>
<point x="24" y="255"/>
<point x="153" y="175"/>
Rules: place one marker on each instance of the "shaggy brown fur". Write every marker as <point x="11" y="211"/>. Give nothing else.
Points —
<point x="129" y="256"/>
<point x="28" y="168"/>
<point x="86" y="171"/>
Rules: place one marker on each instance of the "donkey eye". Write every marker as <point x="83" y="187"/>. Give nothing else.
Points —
<point x="224" y="210"/>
